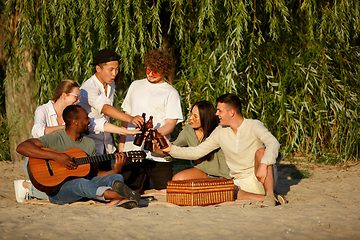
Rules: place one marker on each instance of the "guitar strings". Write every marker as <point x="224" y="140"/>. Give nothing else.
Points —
<point x="107" y="157"/>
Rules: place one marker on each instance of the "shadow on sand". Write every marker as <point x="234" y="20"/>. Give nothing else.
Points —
<point x="288" y="175"/>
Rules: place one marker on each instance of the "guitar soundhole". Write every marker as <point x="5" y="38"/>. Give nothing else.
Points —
<point x="49" y="167"/>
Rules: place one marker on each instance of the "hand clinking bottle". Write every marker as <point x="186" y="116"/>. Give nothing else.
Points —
<point x="140" y="136"/>
<point x="148" y="145"/>
<point x="160" y="139"/>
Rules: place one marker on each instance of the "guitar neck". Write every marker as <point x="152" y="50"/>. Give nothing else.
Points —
<point x="93" y="159"/>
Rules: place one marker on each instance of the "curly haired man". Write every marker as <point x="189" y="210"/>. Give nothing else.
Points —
<point x="155" y="97"/>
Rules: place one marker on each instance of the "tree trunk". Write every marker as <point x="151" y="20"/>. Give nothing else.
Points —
<point x="2" y="59"/>
<point x="20" y="103"/>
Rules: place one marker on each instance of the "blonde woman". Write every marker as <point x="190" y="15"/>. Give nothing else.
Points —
<point x="48" y="118"/>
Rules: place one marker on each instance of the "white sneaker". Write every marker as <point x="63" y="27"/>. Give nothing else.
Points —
<point x="21" y="193"/>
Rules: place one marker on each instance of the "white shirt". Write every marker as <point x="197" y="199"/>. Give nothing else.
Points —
<point x="93" y="98"/>
<point x="45" y="116"/>
<point x="161" y="101"/>
<point x="239" y="149"/>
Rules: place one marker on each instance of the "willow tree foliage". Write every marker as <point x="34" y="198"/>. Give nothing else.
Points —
<point x="294" y="63"/>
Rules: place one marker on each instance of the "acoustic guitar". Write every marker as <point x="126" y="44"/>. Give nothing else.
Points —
<point x="47" y="175"/>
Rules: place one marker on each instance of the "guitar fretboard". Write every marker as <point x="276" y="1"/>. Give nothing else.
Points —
<point x="93" y="159"/>
<point x="134" y="155"/>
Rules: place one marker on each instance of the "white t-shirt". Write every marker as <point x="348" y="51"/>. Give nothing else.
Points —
<point x="93" y="98"/>
<point x="161" y="101"/>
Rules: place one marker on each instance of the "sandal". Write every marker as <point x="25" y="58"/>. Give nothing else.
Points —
<point x="268" y="201"/>
<point x="281" y="199"/>
<point x="125" y="203"/>
<point x="124" y="191"/>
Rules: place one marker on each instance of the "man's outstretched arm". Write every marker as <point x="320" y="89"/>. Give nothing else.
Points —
<point x="112" y="112"/>
<point x="191" y="153"/>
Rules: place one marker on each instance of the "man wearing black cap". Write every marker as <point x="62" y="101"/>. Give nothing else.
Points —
<point x="97" y="97"/>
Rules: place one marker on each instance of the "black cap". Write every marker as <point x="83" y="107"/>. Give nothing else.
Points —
<point x="105" y="55"/>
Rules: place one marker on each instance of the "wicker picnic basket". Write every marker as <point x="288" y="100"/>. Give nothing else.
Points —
<point x="200" y="192"/>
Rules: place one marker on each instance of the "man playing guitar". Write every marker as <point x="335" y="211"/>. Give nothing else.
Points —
<point x="98" y="185"/>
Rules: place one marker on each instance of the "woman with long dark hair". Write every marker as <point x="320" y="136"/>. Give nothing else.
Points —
<point x="202" y="122"/>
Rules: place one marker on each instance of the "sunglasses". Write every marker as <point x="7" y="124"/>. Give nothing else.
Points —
<point x="154" y="74"/>
<point x="194" y="118"/>
<point x="77" y="96"/>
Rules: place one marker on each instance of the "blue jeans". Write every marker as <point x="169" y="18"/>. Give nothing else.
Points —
<point x="33" y="192"/>
<point x="88" y="188"/>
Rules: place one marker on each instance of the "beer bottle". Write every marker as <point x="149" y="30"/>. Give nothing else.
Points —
<point x="161" y="140"/>
<point x="140" y="136"/>
<point x="149" y="123"/>
<point x="148" y="141"/>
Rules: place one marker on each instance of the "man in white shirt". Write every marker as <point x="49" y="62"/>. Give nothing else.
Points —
<point x="155" y="97"/>
<point x="250" y="151"/>
<point x="97" y="97"/>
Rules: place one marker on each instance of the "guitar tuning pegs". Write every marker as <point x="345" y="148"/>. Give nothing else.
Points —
<point x="137" y="160"/>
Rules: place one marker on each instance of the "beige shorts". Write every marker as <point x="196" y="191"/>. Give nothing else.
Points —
<point x="250" y="183"/>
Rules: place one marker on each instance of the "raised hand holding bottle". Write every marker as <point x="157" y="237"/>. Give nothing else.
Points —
<point x="161" y="140"/>
<point x="140" y="136"/>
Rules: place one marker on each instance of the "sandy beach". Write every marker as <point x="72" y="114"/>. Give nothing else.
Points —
<point x="325" y="205"/>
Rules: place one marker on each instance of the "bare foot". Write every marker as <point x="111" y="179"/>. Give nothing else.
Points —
<point x="112" y="202"/>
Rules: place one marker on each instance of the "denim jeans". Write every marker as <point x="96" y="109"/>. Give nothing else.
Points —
<point x="84" y="188"/>
<point x="33" y="192"/>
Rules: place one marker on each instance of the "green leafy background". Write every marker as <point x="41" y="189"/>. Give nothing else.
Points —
<point x="293" y="63"/>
